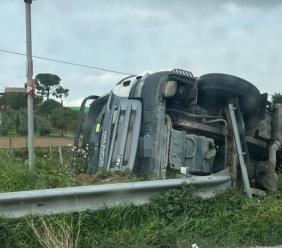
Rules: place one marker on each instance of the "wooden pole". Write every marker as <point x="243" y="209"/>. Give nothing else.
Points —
<point x="61" y="155"/>
<point x="50" y="148"/>
<point x="10" y="143"/>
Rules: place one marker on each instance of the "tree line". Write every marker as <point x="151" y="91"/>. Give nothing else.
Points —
<point x="50" y="115"/>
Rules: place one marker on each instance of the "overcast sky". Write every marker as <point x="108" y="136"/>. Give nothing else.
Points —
<point x="243" y="38"/>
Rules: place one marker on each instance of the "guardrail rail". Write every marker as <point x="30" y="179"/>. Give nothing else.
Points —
<point x="94" y="197"/>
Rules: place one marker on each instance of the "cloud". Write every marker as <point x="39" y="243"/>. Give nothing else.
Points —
<point x="73" y="103"/>
<point x="236" y="37"/>
<point x="231" y="8"/>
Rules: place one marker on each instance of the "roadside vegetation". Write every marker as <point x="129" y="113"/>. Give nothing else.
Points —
<point x="50" y="118"/>
<point x="173" y="219"/>
<point x="49" y="173"/>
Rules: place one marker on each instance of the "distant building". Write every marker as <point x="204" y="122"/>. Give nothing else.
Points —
<point x="14" y="90"/>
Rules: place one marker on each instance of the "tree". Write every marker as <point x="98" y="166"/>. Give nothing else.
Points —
<point x="60" y="92"/>
<point x="64" y="119"/>
<point x="47" y="84"/>
<point x="277" y="98"/>
<point x="17" y="101"/>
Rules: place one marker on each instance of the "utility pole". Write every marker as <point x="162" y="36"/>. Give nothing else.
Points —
<point x="29" y="85"/>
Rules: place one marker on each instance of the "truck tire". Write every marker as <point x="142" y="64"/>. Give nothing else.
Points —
<point x="217" y="88"/>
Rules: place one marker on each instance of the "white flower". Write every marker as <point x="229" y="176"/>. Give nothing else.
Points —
<point x="69" y="144"/>
<point x="195" y="246"/>
<point x="45" y="155"/>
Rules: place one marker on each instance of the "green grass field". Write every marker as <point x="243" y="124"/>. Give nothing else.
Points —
<point x="173" y="219"/>
<point x="78" y="108"/>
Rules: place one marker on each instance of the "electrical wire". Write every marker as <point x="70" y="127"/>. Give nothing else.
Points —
<point x="69" y="63"/>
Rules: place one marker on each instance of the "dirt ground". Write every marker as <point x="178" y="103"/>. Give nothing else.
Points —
<point x="21" y="142"/>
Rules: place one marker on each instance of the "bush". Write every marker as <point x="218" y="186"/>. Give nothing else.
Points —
<point x="43" y="131"/>
<point x="7" y="122"/>
<point x="64" y="119"/>
<point x="48" y="107"/>
<point x="43" y="125"/>
<point x="21" y="122"/>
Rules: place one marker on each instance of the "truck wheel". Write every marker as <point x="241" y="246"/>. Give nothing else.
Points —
<point x="217" y="88"/>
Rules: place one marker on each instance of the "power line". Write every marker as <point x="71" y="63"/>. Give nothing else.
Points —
<point x="70" y="63"/>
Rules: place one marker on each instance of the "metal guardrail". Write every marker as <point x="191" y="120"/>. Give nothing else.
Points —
<point x="77" y="199"/>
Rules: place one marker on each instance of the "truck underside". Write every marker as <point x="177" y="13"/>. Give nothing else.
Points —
<point x="173" y="121"/>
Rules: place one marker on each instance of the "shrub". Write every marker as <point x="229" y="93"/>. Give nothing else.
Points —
<point x="44" y="130"/>
<point x="7" y="122"/>
<point x="64" y="119"/>
<point x="21" y="122"/>
<point x="48" y="107"/>
<point x="4" y="127"/>
<point x="43" y="125"/>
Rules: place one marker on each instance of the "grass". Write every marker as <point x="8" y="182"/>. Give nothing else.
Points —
<point x="14" y="174"/>
<point x="78" y="109"/>
<point x="174" y="219"/>
<point x="48" y="173"/>
<point x="47" y="236"/>
<point x="13" y="133"/>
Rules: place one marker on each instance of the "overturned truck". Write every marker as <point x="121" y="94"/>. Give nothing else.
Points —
<point x="174" y="121"/>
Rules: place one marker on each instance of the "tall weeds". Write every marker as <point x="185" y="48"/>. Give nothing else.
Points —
<point x="54" y="232"/>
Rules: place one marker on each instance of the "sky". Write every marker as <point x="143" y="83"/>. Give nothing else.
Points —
<point x="239" y="37"/>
